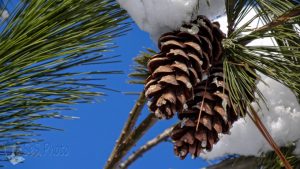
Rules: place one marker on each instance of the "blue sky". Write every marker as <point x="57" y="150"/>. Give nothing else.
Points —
<point x="86" y="143"/>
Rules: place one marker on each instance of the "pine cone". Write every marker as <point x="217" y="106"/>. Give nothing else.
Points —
<point x="186" y="55"/>
<point x="217" y="115"/>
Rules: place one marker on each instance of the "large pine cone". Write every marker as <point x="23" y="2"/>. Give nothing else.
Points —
<point x="208" y="115"/>
<point x="186" y="55"/>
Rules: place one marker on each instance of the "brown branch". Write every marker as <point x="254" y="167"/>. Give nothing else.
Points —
<point x="130" y="141"/>
<point x="133" y="116"/>
<point x="148" y="146"/>
<point x="259" y="124"/>
<point x="276" y="22"/>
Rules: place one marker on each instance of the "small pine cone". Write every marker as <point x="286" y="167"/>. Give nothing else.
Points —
<point x="185" y="56"/>
<point x="217" y="115"/>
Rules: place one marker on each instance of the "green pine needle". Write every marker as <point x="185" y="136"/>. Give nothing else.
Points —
<point x="141" y="72"/>
<point x="270" y="160"/>
<point x="41" y="44"/>
<point x="280" y="61"/>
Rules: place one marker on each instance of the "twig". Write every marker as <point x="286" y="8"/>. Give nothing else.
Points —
<point x="259" y="124"/>
<point x="133" y="116"/>
<point x="130" y="141"/>
<point x="148" y="146"/>
<point x="277" y="22"/>
<point x="201" y="107"/>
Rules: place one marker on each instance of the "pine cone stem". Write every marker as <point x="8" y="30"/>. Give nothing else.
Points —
<point x="259" y="124"/>
<point x="201" y="107"/>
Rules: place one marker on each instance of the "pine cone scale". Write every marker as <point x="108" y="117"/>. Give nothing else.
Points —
<point x="169" y="79"/>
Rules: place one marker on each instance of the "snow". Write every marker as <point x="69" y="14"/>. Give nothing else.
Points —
<point x="160" y="16"/>
<point x="282" y="119"/>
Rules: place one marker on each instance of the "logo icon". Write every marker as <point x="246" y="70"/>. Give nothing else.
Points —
<point x="13" y="155"/>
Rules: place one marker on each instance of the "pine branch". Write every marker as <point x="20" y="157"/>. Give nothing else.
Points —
<point x="277" y="62"/>
<point x="40" y="43"/>
<point x="131" y="140"/>
<point x="148" y="146"/>
<point x="236" y="163"/>
<point x="130" y="123"/>
<point x="271" y="160"/>
<point x="284" y="18"/>
<point x="266" y="160"/>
